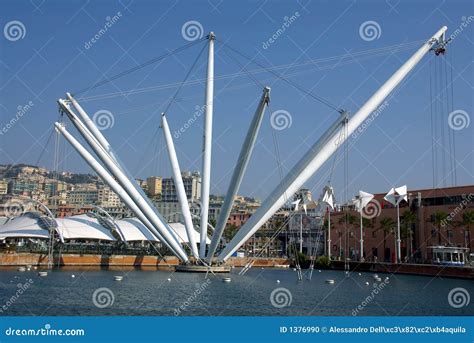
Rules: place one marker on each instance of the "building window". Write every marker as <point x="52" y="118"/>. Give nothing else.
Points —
<point x="374" y="234"/>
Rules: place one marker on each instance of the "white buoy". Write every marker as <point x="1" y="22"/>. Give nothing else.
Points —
<point x="73" y="276"/>
<point x="330" y="281"/>
<point x="278" y="281"/>
<point x="169" y="279"/>
<point x="294" y="269"/>
<point x="360" y="274"/>
<point x="43" y="273"/>
<point x="319" y="271"/>
<point x="118" y="277"/>
<point x="227" y="279"/>
<point x="367" y="283"/>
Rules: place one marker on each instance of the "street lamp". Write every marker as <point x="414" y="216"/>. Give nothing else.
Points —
<point x="395" y="196"/>
<point x="360" y="202"/>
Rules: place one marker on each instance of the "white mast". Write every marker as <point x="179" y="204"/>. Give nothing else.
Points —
<point x="207" y="148"/>
<point x="102" y="141"/>
<point x="153" y="216"/>
<point x="395" y="196"/>
<point x="179" y="185"/>
<point x="360" y="202"/>
<point x="114" y="185"/>
<point x="321" y="151"/>
<point x="328" y="200"/>
<point x="239" y="171"/>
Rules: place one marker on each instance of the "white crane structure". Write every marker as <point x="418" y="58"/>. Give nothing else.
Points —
<point x="207" y="148"/>
<point x="320" y="152"/>
<point x="108" y="166"/>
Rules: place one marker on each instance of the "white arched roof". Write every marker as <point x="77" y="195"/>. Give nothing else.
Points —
<point x="87" y="227"/>
<point x="22" y="227"/>
<point x="83" y="227"/>
<point x="181" y="235"/>
<point x="133" y="230"/>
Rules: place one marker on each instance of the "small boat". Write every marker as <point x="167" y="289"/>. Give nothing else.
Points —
<point x="377" y="279"/>
<point x="226" y="279"/>
<point x="367" y="283"/>
<point x="43" y="273"/>
<point x="118" y="277"/>
<point x="330" y="281"/>
<point x="21" y="269"/>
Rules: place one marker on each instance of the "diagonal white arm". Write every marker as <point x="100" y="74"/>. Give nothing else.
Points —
<point x="317" y="155"/>
<point x="178" y="183"/>
<point x="239" y="171"/>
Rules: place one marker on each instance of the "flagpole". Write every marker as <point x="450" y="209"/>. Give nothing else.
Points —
<point x="361" y="240"/>
<point x="329" y="234"/>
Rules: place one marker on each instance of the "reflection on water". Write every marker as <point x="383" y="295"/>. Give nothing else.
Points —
<point x="94" y="291"/>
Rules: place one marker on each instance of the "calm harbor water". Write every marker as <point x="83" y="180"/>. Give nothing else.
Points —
<point x="166" y="293"/>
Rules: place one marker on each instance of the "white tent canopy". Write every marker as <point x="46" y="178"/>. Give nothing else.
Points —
<point x="86" y="227"/>
<point x="83" y="227"/>
<point x="23" y="227"/>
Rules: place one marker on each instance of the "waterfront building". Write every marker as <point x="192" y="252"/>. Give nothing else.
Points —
<point x="153" y="186"/>
<point x="192" y="186"/>
<point x="3" y="187"/>
<point x="431" y="218"/>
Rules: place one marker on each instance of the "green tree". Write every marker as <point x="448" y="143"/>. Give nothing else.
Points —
<point x="440" y="220"/>
<point x="350" y="220"/>
<point x="407" y="220"/>
<point x="466" y="221"/>
<point x="386" y="225"/>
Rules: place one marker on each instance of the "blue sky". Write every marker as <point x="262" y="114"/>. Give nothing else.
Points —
<point x="54" y="55"/>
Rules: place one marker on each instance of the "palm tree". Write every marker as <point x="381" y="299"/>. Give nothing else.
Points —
<point x="466" y="221"/>
<point x="386" y="224"/>
<point x="439" y="220"/>
<point x="407" y="220"/>
<point x="350" y="220"/>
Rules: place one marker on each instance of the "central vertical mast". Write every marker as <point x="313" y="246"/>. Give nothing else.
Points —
<point x="207" y="147"/>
